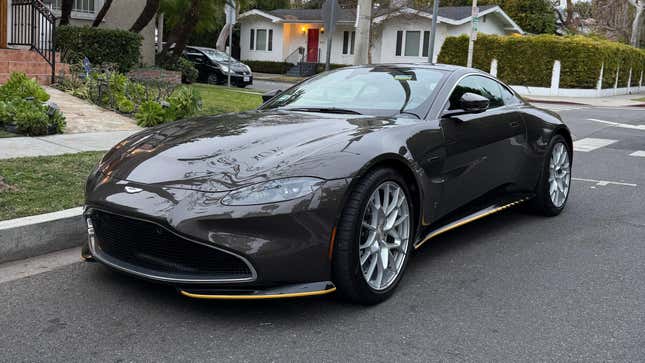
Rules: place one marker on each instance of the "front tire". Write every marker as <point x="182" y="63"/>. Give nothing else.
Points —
<point x="553" y="188"/>
<point x="374" y="238"/>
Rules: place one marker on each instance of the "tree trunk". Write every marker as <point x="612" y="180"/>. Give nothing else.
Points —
<point x="636" y="27"/>
<point x="185" y="29"/>
<point x="361" y="50"/>
<point x="569" y="21"/>
<point x="223" y="38"/>
<point x="99" y="17"/>
<point x="65" y="11"/>
<point x="147" y="14"/>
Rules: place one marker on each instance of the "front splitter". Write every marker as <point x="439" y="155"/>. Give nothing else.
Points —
<point x="282" y="292"/>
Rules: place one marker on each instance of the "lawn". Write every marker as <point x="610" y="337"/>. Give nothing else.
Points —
<point x="642" y="99"/>
<point x="220" y="99"/>
<point x="30" y="186"/>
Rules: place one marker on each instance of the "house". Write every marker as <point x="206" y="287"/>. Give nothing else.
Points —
<point x="399" y="35"/>
<point x="27" y="29"/>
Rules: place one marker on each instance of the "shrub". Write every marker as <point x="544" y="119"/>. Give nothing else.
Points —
<point x="99" y="45"/>
<point x="269" y="67"/>
<point x="150" y="114"/>
<point x="189" y="73"/>
<point x="21" y="86"/>
<point x="185" y="102"/>
<point x="528" y="60"/>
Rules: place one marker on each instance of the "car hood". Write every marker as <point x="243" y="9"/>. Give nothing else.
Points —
<point x="229" y="151"/>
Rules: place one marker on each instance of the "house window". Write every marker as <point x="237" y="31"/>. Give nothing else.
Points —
<point x="412" y="43"/>
<point x="80" y="6"/>
<point x="408" y="43"/>
<point x="348" y="42"/>
<point x="261" y="39"/>
<point x="426" y="43"/>
<point x="399" y="42"/>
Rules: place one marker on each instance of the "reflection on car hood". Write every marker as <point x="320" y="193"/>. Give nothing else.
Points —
<point x="229" y="151"/>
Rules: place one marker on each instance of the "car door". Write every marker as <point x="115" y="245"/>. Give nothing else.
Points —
<point x="200" y="61"/>
<point x="482" y="149"/>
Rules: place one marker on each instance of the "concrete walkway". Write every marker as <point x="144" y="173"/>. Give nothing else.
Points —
<point x="83" y="116"/>
<point x="17" y="147"/>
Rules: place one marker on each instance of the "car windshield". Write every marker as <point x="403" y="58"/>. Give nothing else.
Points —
<point x="215" y="55"/>
<point x="378" y="91"/>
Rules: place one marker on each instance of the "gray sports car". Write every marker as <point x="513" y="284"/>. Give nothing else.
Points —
<point x="329" y="186"/>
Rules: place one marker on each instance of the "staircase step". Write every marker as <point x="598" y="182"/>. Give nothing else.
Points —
<point x="29" y="62"/>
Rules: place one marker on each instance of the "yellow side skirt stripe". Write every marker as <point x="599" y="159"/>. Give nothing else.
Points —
<point x="257" y="297"/>
<point x="466" y="220"/>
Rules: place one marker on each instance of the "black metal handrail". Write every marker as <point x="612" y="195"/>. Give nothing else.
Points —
<point x="33" y="24"/>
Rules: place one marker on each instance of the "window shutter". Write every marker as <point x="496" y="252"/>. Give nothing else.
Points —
<point x="351" y="47"/>
<point x="251" y="44"/>
<point x="399" y="42"/>
<point x="426" y="43"/>
<point x="270" y="39"/>
<point x="345" y="41"/>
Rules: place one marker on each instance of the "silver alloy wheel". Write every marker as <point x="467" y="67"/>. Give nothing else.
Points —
<point x="384" y="236"/>
<point x="559" y="174"/>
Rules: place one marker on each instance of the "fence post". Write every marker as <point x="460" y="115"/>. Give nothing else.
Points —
<point x="640" y="82"/>
<point x="493" y="67"/>
<point x="555" y="78"/>
<point x="629" y="82"/>
<point x="599" y="83"/>
<point x="33" y="25"/>
<point x="616" y="81"/>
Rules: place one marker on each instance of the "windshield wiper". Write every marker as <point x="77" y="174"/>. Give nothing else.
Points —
<point x="324" y="110"/>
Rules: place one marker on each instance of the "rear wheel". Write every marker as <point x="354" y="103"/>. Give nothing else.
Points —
<point x="552" y="191"/>
<point x="374" y="238"/>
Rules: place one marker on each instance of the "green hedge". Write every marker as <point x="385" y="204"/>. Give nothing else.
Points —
<point x="528" y="60"/>
<point x="99" y="45"/>
<point x="282" y="67"/>
<point x="268" y="66"/>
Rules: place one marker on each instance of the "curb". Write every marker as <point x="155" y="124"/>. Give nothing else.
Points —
<point x="36" y="235"/>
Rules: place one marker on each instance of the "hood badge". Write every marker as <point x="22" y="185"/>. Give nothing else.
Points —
<point x="133" y="190"/>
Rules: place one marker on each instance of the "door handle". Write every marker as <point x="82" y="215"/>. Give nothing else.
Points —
<point x="514" y="124"/>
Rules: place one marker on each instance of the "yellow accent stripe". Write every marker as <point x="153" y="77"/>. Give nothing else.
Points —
<point x="466" y="221"/>
<point x="257" y="297"/>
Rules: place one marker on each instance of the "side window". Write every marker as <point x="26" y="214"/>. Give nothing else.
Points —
<point x="507" y="96"/>
<point x="480" y="85"/>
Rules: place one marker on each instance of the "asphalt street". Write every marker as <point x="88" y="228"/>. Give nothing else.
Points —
<point x="512" y="287"/>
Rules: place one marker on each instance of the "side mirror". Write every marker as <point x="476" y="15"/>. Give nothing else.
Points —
<point x="269" y="95"/>
<point x="469" y="103"/>
<point x="473" y="103"/>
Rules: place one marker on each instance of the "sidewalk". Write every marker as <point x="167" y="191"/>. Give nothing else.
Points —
<point x="83" y="116"/>
<point x="612" y="101"/>
<point x="17" y="147"/>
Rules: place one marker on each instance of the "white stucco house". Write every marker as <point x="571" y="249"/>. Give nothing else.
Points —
<point x="400" y="35"/>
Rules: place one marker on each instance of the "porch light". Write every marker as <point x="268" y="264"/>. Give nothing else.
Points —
<point x="322" y="30"/>
<point x="304" y="29"/>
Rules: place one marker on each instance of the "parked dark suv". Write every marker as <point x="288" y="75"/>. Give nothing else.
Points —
<point x="213" y="64"/>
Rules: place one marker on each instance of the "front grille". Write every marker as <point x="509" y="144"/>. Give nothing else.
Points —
<point x="150" y="247"/>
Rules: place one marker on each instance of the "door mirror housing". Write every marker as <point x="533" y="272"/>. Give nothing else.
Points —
<point x="469" y="103"/>
<point x="269" y="95"/>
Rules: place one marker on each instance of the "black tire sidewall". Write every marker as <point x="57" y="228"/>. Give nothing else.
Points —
<point x="346" y="254"/>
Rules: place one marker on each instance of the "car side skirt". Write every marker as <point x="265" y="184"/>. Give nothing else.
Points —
<point x="492" y="209"/>
<point x="282" y="292"/>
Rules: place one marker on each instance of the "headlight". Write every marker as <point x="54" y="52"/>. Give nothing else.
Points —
<point x="224" y="68"/>
<point x="278" y="190"/>
<point x="248" y="68"/>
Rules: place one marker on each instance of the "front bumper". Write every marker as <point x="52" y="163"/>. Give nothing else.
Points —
<point x="286" y="245"/>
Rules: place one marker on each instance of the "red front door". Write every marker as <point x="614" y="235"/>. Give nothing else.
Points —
<point x="312" y="45"/>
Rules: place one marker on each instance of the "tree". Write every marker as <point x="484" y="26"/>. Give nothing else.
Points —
<point x="639" y="6"/>
<point x="65" y="11"/>
<point x="612" y="19"/>
<point x="185" y="17"/>
<point x="147" y="14"/>
<point x="99" y="17"/>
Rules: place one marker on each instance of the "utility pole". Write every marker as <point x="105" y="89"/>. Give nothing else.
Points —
<point x="473" y="33"/>
<point x="363" y="20"/>
<point x="330" y="11"/>
<point x="433" y="33"/>
<point x="230" y="19"/>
